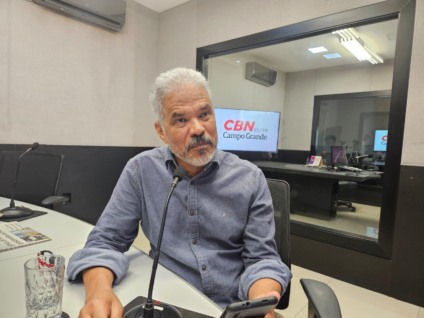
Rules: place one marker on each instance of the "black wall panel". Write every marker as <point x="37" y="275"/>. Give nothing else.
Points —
<point x="407" y="274"/>
<point x="89" y="174"/>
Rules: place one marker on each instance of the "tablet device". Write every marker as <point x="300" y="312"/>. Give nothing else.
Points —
<point x="257" y="308"/>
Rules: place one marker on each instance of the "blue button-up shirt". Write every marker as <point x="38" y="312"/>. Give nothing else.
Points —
<point x="219" y="232"/>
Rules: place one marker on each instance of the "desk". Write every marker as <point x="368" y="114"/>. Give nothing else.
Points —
<point x="313" y="190"/>
<point x="69" y="234"/>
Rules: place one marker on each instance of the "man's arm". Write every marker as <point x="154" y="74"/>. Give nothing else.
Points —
<point x="265" y="287"/>
<point x="100" y="300"/>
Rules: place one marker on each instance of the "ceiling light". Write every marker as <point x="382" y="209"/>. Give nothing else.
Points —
<point x="332" y="56"/>
<point x="350" y="39"/>
<point x="317" y="49"/>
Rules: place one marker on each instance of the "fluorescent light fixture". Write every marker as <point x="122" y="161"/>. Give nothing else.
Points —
<point x="350" y="39"/>
<point x="317" y="49"/>
<point x="332" y="56"/>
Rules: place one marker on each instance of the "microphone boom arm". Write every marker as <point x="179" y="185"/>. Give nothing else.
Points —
<point x="149" y="308"/>
<point x="12" y="196"/>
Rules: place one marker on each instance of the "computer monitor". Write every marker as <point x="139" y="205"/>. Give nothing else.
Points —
<point x="380" y="140"/>
<point x="338" y="156"/>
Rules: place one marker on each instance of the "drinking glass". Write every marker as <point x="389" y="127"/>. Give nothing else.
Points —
<point x="44" y="276"/>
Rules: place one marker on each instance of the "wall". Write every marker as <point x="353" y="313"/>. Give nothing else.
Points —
<point x="231" y="90"/>
<point x="293" y="94"/>
<point x="65" y="82"/>
<point x="302" y="87"/>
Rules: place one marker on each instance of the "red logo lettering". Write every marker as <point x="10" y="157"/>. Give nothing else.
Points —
<point x="239" y="125"/>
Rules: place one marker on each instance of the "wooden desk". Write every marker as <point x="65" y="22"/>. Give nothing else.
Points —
<point x="69" y="234"/>
<point x="313" y="190"/>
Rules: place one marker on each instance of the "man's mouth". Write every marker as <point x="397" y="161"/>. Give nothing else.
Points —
<point x="199" y="144"/>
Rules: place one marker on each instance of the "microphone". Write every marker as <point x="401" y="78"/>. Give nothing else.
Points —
<point x="162" y="310"/>
<point x="12" y="211"/>
<point x="364" y="156"/>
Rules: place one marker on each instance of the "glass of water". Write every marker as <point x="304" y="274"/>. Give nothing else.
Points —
<point x="44" y="277"/>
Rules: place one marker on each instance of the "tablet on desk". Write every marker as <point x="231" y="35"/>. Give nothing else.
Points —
<point x="257" y="308"/>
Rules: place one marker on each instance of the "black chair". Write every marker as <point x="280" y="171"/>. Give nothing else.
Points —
<point x="322" y="302"/>
<point x="344" y="186"/>
<point x="38" y="178"/>
<point x="339" y="158"/>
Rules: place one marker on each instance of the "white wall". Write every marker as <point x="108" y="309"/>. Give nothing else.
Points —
<point x="293" y="93"/>
<point x="66" y="82"/>
<point x="302" y="87"/>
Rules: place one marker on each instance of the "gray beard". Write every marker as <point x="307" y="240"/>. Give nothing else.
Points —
<point x="204" y="159"/>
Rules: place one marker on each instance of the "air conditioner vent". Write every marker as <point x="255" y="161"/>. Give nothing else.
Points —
<point x="260" y="74"/>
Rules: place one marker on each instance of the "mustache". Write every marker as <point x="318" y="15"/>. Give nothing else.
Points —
<point x="199" y="141"/>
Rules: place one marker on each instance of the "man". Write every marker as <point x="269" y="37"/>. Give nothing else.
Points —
<point x="220" y="227"/>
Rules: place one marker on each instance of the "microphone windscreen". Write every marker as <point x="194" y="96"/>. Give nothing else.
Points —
<point x="35" y="145"/>
<point x="179" y="172"/>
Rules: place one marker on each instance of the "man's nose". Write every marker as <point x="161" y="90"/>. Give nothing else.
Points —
<point x="197" y="127"/>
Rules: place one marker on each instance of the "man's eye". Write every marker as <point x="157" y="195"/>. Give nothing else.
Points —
<point x="204" y="114"/>
<point x="180" y="120"/>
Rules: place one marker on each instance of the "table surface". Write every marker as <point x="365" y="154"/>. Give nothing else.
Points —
<point x="69" y="234"/>
<point x="298" y="169"/>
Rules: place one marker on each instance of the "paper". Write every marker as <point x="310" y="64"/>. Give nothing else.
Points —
<point x="14" y="235"/>
<point x="315" y="161"/>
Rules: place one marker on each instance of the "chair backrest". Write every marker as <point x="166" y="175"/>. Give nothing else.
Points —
<point x="38" y="178"/>
<point x="280" y="193"/>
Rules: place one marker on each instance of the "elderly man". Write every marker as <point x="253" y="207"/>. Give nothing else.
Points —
<point x="220" y="227"/>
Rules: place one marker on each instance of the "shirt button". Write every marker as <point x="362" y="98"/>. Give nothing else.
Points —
<point x="203" y="267"/>
<point x="191" y="212"/>
<point x="194" y="241"/>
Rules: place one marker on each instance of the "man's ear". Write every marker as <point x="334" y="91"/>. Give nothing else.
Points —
<point x="160" y="132"/>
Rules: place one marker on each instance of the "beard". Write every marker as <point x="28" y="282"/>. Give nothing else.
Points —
<point x="197" y="157"/>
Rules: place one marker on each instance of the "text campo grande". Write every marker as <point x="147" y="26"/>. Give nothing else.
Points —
<point x="244" y="136"/>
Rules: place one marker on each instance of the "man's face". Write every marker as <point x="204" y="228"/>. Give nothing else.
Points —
<point x="189" y="126"/>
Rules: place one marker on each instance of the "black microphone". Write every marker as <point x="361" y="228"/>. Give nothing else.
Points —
<point x="162" y="310"/>
<point x="13" y="212"/>
<point x="364" y="156"/>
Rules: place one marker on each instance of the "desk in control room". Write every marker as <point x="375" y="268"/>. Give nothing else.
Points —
<point x="313" y="190"/>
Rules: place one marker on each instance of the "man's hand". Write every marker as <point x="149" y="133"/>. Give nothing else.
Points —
<point x="100" y="300"/>
<point x="265" y="287"/>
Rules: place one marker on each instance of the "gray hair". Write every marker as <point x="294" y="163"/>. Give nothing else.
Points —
<point x="167" y="82"/>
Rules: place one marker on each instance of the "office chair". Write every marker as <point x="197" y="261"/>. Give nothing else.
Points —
<point x="322" y="302"/>
<point x="339" y="158"/>
<point x="38" y="178"/>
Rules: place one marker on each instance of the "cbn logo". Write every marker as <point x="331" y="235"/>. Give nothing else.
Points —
<point x="239" y="125"/>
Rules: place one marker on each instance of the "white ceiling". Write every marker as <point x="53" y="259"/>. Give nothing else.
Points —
<point x="293" y="56"/>
<point x="161" y="5"/>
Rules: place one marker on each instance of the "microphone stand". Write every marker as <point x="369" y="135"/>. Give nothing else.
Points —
<point x="147" y="309"/>
<point x="13" y="211"/>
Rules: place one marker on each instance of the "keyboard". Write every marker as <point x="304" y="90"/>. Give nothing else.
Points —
<point x="348" y="168"/>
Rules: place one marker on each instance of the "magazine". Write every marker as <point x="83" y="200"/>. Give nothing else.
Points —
<point x="14" y="235"/>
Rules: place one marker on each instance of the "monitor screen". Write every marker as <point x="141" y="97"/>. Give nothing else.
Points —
<point x="380" y="140"/>
<point x="247" y="130"/>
